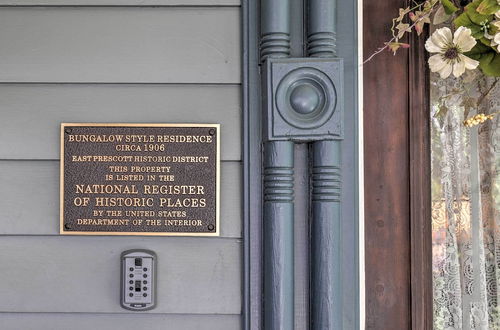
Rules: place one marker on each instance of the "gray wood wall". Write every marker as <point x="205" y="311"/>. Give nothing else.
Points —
<point x="113" y="61"/>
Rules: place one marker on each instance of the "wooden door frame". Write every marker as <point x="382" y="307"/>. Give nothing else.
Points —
<point x="420" y="187"/>
<point x="398" y="250"/>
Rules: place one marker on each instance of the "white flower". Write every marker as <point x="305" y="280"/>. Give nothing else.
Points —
<point x="450" y="49"/>
<point x="496" y="37"/>
<point x="496" y="42"/>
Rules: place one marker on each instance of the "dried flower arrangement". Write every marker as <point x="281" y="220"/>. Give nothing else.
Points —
<point x="469" y="38"/>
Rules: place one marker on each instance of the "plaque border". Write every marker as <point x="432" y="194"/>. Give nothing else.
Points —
<point x="111" y="233"/>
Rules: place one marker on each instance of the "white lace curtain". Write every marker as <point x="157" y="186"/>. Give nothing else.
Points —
<point x="465" y="203"/>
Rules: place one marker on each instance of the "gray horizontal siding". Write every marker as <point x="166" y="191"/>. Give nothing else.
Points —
<point x="112" y="61"/>
<point x="30" y="114"/>
<point x="29" y="198"/>
<point x="28" y="321"/>
<point x="82" y="274"/>
<point x="119" y="3"/>
<point x="118" y="44"/>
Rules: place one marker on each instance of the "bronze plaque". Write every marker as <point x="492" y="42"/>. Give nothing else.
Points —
<point x="140" y="179"/>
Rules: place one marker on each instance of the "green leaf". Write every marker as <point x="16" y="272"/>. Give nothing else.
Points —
<point x="478" y="50"/>
<point x="489" y="59"/>
<point x="488" y="7"/>
<point x="464" y="20"/>
<point x="473" y="20"/>
<point x="449" y="7"/>
<point x="490" y="64"/>
<point x="485" y="41"/>
<point x="474" y="15"/>
<point x="477" y="33"/>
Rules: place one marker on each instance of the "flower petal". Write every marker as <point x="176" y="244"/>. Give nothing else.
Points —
<point x="432" y="47"/>
<point x="436" y="63"/>
<point x="458" y="68"/>
<point x="445" y="71"/>
<point x="442" y="37"/>
<point x="470" y="64"/>
<point x="496" y="39"/>
<point x="463" y="39"/>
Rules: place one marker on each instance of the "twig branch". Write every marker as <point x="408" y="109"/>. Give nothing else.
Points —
<point x="394" y="38"/>
<point x="380" y="50"/>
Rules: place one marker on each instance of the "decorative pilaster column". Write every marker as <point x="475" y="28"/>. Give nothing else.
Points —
<point x="302" y="102"/>
<point x="278" y="217"/>
<point x="326" y="297"/>
<point x="278" y="236"/>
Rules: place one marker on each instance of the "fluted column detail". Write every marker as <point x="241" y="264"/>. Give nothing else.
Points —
<point x="326" y="182"/>
<point x="321" y="28"/>
<point x="275" y="29"/>
<point x="278" y="183"/>
<point x="321" y="44"/>
<point x="275" y="45"/>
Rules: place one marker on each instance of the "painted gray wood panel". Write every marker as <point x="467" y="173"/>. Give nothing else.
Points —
<point x="82" y="274"/>
<point x="29" y="198"/>
<point x="28" y="321"/>
<point x="119" y="3"/>
<point x="111" y="61"/>
<point x="119" y="44"/>
<point x="30" y="114"/>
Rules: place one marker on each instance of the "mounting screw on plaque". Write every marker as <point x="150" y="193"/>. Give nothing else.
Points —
<point x="138" y="280"/>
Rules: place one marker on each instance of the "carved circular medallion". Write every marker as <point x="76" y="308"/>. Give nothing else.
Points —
<point x="306" y="98"/>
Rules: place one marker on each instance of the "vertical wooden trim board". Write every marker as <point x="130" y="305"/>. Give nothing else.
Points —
<point x="397" y="178"/>
<point x="420" y="187"/>
<point x="387" y="209"/>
